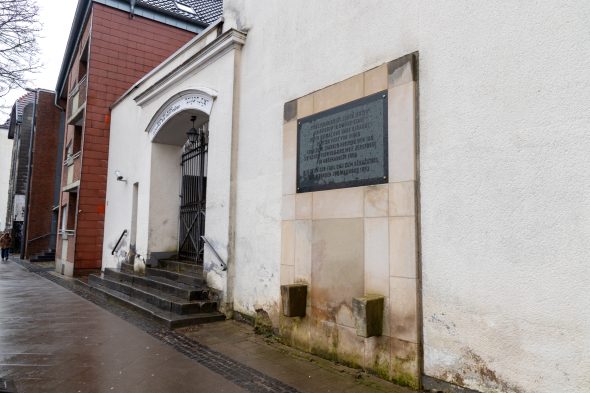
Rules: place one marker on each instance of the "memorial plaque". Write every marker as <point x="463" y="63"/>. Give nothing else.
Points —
<point x="343" y="147"/>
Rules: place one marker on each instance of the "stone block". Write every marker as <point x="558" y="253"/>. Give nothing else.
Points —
<point x="402" y="247"/>
<point x="402" y="199"/>
<point x="290" y="111"/>
<point x="376" y="80"/>
<point x="403" y="309"/>
<point x="339" y="93"/>
<point x="377" y="255"/>
<point x="289" y="157"/>
<point x="294" y="299"/>
<point x="303" y="251"/>
<point x="402" y="133"/>
<point x="305" y="106"/>
<point x="368" y="313"/>
<point x="376" y="201"/>
<point x="343" y="203"/>
<point x="337" y="268"/>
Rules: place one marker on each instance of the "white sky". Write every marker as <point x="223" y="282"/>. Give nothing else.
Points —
<point x="56" y="17"/>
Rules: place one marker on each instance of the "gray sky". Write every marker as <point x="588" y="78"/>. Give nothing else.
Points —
<point x="56" y="17"/>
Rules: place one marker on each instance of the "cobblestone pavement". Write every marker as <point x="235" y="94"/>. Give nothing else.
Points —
<point x="53" y="341"/>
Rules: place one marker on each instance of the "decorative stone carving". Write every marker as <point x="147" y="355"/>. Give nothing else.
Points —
<point x="188" y="100"/>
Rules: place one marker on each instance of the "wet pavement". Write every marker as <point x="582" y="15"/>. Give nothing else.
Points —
<point x="52" y="340"/>
<point x="56" y="337"/>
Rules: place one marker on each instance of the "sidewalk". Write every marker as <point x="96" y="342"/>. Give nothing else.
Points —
<point x="54" y="340"/>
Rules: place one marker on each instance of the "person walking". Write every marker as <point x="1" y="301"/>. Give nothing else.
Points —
<point x="5" y="243"/>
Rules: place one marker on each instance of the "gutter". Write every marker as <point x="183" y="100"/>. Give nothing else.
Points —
<point x="81" y="17"/>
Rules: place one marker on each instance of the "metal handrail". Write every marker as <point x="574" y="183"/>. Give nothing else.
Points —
<point x="69" y="161"/>
<point x="81" y="90"/>
<point x="223" y="264"/>
<point x="119" y="241"/>
<point x="41" y="237"/>
<point x="78" y="85"/>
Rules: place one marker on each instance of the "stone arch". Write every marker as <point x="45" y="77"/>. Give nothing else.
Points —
<point x="174" y="111"/>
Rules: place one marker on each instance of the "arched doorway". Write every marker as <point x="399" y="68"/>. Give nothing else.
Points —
<point x="179" y="134"/>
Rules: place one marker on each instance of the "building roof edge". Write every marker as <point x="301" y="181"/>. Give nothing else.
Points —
<point x="80" y="19"/>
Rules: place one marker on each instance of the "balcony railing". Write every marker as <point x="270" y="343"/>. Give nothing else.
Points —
<point x="72" y="171"/>
<point x="77" y="101"/>
<point x="64" y="233"/>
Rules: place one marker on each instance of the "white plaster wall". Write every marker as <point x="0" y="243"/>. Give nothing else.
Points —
<point x="505" y="186"/>
<point x="129" y="153"/>
<point x="505" y="178"/>
<point x="164" y="194"/>
<point x="5" y="162"/>
<point x="139" y="160"/>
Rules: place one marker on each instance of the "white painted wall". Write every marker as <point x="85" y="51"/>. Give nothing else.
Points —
<point x="505" y="210"/>
<point x="505" y="175"/>
<point x="157" y="169"/>
<point x="5" y="162"/>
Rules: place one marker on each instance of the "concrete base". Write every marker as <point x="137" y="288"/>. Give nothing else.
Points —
<point x="368" y="314"/>
<point x="433" y="384"/>
<point x="64" y="267"/>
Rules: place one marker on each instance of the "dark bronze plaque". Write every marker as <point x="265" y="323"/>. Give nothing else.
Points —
<point x="343" y="147"/>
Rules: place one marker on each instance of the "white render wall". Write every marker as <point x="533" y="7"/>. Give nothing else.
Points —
<point x="5" y="162"/>
<point x="156" y="167"/>
<point x="505" y="175"/>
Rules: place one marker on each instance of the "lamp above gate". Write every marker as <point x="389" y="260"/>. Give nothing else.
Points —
<point x="193" y="134"/>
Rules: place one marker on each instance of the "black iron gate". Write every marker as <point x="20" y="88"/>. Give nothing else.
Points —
<point x="193" y="196"/>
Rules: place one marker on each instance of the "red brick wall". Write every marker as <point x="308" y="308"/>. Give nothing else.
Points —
<point x="122" y="50"/>
<point x="66" y="201"/>
<point x="40" y="205"/>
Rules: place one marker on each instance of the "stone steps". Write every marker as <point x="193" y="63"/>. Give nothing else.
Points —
<point x="162" y="300"/>
<point x="46" y="256"/>
<point x="181" y="278"/>
<point x="164" y="285"/>
<point x="183" y="267"/>
<point x="174" y="293"/>
<point x="126" y="267"/>
<point x="168" y="319"/>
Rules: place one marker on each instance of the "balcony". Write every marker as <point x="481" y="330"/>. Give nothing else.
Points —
<point x="77" y="102"/>
<point x="72" y="173"/>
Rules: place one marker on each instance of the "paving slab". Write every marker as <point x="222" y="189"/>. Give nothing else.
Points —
<point x="56" y="335"/>
<point x="303" y="371"/>
<point x="52" y="340"/>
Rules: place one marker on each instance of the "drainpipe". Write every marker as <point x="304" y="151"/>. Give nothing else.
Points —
<point x="57" y="176"/>
<point x="25" y="229"/>
<point x="132" y="9"/>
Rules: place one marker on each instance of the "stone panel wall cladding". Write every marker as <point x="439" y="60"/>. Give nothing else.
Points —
<point x="358" y="241"/>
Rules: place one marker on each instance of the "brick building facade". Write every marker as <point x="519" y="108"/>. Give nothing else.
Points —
<point x="110" y="48"/>
<point x="34" y="178"/>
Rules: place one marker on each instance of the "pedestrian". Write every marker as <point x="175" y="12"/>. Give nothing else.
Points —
<point x="5" y="243"/>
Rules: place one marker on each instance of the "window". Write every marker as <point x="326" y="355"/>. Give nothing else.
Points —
<point x="185" y="8"/>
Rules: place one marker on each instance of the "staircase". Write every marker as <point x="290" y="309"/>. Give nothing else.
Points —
<point x="174" y="293"/>
<point x="46" y="256"/>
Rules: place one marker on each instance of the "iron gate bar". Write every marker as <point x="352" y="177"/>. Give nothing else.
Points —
<point x="193" y="197"/>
